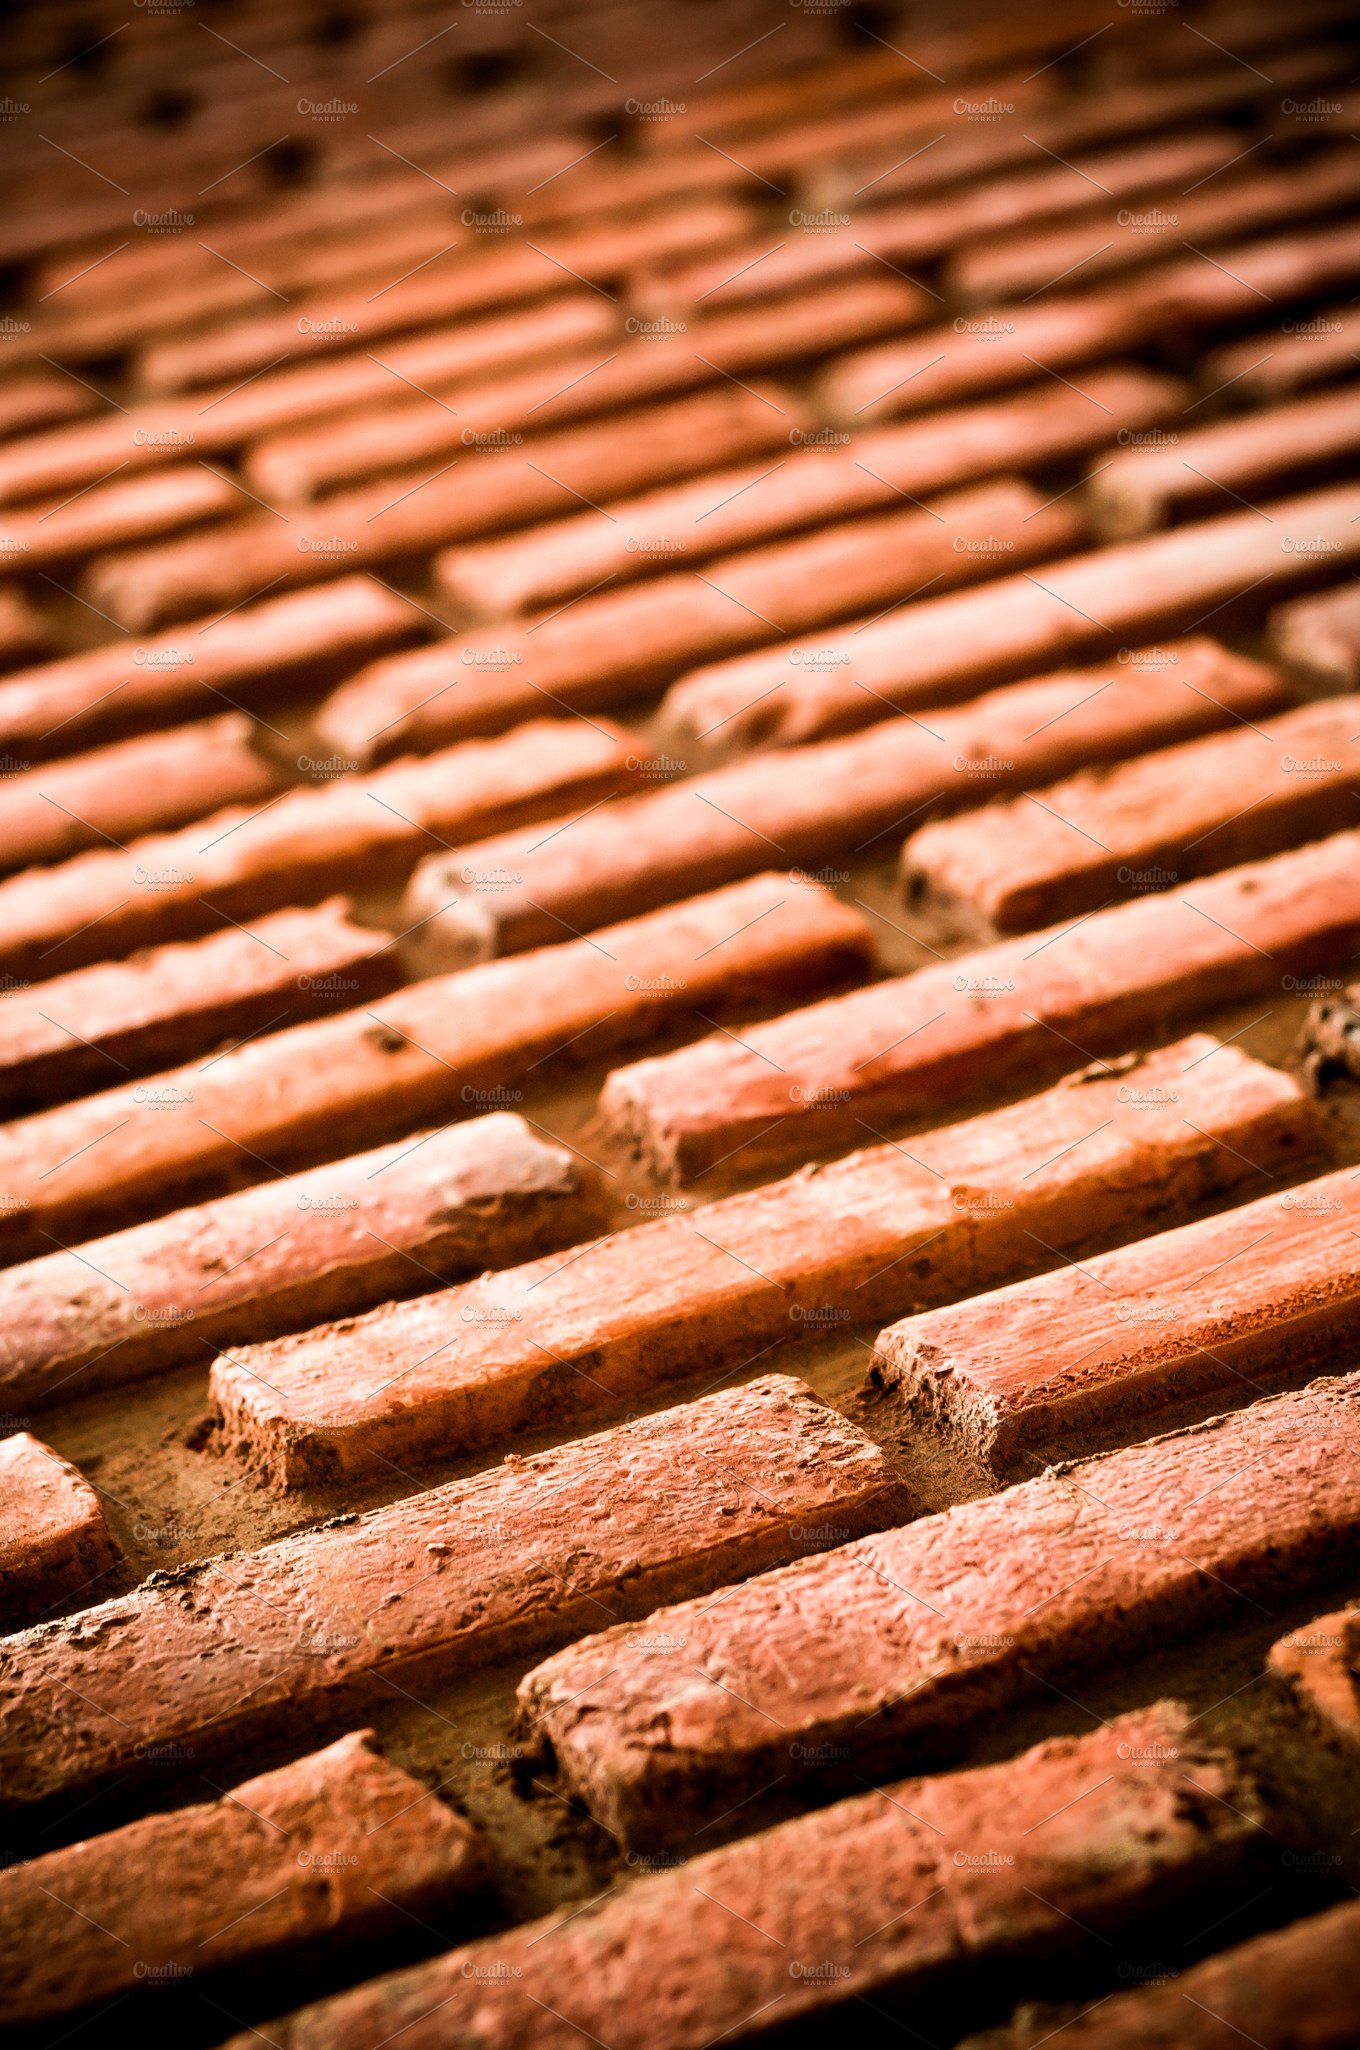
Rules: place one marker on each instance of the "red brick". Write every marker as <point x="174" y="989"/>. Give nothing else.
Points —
<point x="1145" y="825"/>
<point x="135" y="786"/>
<point x="286" y="1255"/>
<point x="924" y="1891"/>
<point x="499" y="489"/>
<point x="172" y="1002"/>
<point x="990" y="1021"/>
<point x="257" y="651"/>
<point x="850" y="1243"/>
<point x="340" y="1846"/>
<point x="832" y="798"/>
<point x="1297" y="1985"/>
<point x="1222" y="1308"/>
<point x="885" y="1649"/>
<point x="1119" y="238"/>
<point x="54" y="1544"/>
<point x="433" y="1051"/>
<point x="829" y="476"/>
<point x="1319" y="638"/>
<point x="1139" y="488"/>
<point x="944" y="648"/>
<point x="612" y="644"/>
<point x="526" y="1553"/>
<point x="1318" y="1668"/>
<point x="645" y="366"/>
<point x="355" y="831"/>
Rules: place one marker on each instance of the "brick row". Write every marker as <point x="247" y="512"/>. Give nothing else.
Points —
<point x="1117" y="238"/>
<point x="1223" y="1308"/>
<point x="944" y="647"/>
<point x="990" y="1021"/>
<point x="435" y="1051"/>
<point x="160" y="780"/>
<point x="286" y="1255"/>
<point x="612" y="644"/>
<point x="827" y="477"/>
<point x="154" y="432"/>
<point x="1138" y="488"/>
<point x="85" y="1030"/>
<point x="54" y="1543"/>
<point x="835" y="798"/>
<point x="905" y="1901"/>
<point x="1262" y="1992"/>
<point x="660" y="357"/>
<point x="530" y="1552"/>
<point x="1146" y="824"/>
<point x="355" y="831"/>
<point x="339" y="1846"/>
<point x="883" y="1650"/>
<point x="828" y="1248"/>
<point x="380" y="522"/>
<point x="259" y="652"/>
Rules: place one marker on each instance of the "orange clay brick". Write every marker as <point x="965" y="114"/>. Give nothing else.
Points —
<point x="524" y="1554"/>
<point x="830" y="1246"/>
<point x="54" y="1544"/>
<point x="878" y="1654"/>
<point x="339" y="1845"/>
<point x="991" y="1021"/>
<point x="287" y="1255"/>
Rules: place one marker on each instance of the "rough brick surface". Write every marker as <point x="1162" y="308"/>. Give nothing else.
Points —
<point x="1222" y="1307"/>
<point x="432" y="1051"/>
<point x="1146" y="824"/>
<point x="97" y="1025"/>
<point x="53" y="1542"/>
<point x="895" y="1896"/>
<point x="339" y="1846"/>
<point x="986" y="1021"/>
<point x="833" y="798"/>
<point x="1086" y="1161"/>
<point x="531" y="1551"/>
<point x="889" y="1645"/>
<point x="1295" y="1989"/>
<point x="288" y="1254"/>
<point x="611" y="644"/>
<point x="943" y="648"/>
